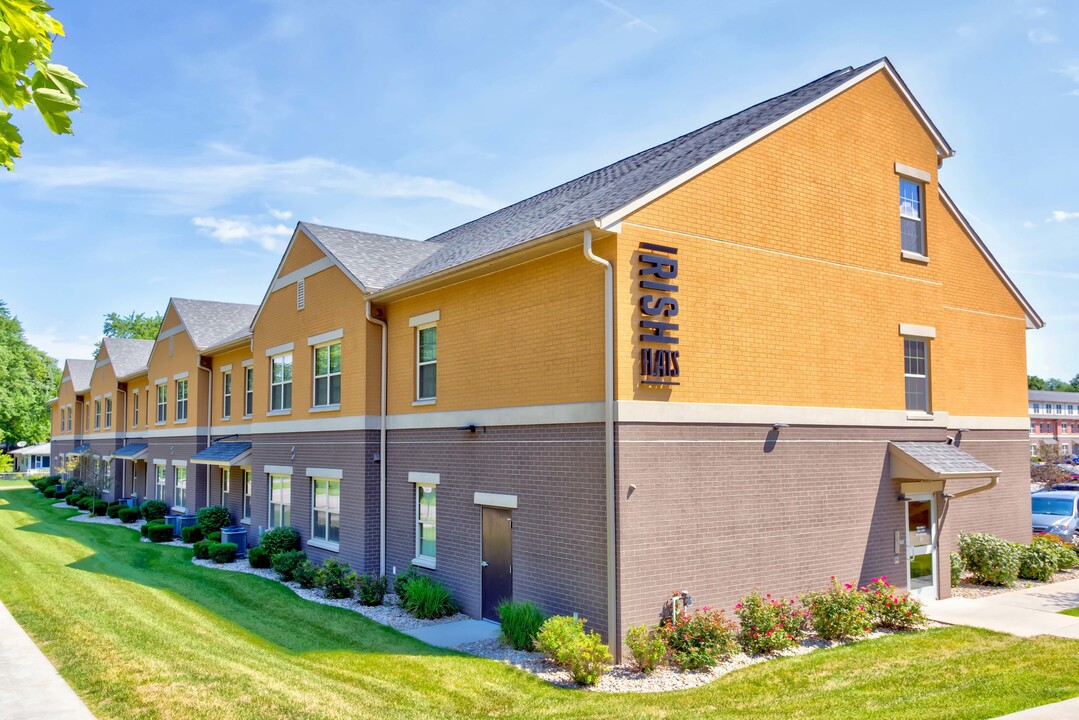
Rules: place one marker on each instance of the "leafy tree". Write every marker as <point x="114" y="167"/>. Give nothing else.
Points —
<point x="1058" y="385"/>
<point x="138" y="326"/>
<point x="7" y="463"/>
<point x="1036" y="383"/>
<point x="26" y="75"/>
<point x="1049" y="472"/>
<point x="28" y="378"/>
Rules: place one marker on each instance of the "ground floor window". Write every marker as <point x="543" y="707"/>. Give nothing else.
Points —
<point x="225" y="479"/>
<point x="180" y="475"/>
<point x="160" y="492"/>
<point x="326" y="510"/>
<point x="280" y="500"/>
<point x="425" y="522"/>
<point x="1064" y="449"/>
<point x="247" y="497"/>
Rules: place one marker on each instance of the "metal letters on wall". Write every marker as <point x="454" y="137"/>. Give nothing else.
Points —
<point x="657" y="272"/>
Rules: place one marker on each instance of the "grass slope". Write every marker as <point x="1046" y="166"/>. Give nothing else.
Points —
<point x="140" y="632"/>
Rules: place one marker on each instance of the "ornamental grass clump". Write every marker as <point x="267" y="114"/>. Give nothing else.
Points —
<point x="428" y="599"/>
<point x="646" y="648"/>
<point x="891" y="608"/>
<point x="838" y="613"/>
<point x="768" y="625"/>
<point x="989" y="560"/>
<point x="699" y="640"/>
<point x="520" y="623"/>
<point x="563" y="639"/>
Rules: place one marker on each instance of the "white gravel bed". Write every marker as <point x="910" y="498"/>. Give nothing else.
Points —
<point x="63" y="504"/>
<point x="105" y="520"/>
<point x="971" y="591"/>
<point x="388" y="613"/>
<point x="176" y="542"/>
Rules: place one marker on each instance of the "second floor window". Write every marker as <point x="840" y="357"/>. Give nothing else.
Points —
<point x="226" y="395"/>
<point x="181" y="400"/>
<point x="249" y="391"/>
<point x="108" y="412"/>
<point x="426" y="362"/>
<point x="162" y="403"/>
<point x="916" y="374"/>
<point x="328" y="375"/>
<point x="281" y="382"/>
<point x="910" y="216"/>
<point x="135" y="409"/>
<point x="97" y="414"/>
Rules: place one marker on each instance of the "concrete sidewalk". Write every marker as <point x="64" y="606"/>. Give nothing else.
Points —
<point x="1026" y="613"/>
<point x="1056" y="711"/>
<point x="31" y="687"/>
<point x="449" y="634"/>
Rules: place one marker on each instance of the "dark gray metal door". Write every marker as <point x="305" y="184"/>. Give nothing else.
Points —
<point x="497" y="564"/>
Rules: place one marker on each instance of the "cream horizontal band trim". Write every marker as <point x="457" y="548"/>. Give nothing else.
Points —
<point x="161" y="381"/>
<point x="568" y="413"/>
<point x="180" y="376"/>
<point x="326" y="336"/>
<point x="174" y="432"/>
<point x="247" y="363"/>
<point x="423" y="478"/>
<point x="174" y="330"/>
<point x="424" y="319"/>
<point x="102" y="363"/>
<point x="277" y="469"/>
<point x="675" y="412"/>
<point x="327" y="473"/>
<point x="323" y="263"/>
<point x="160" y="461"/>
<point x="280" y="349"/>
<point x="975" y="422"/>
<point x="495" y="500"/>
<point x="179" y="463"/>
<point x="226" y="368"/>
<point x="925" y="331"/>
<point x="102" y="436"/>
<point x="913" y="173"/>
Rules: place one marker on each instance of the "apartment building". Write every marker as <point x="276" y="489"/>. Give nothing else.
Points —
<point x="1054" y="419"/>
<point x="752" y="356"/>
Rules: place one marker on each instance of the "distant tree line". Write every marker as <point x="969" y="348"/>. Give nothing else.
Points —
<point x="1036" y="383"/>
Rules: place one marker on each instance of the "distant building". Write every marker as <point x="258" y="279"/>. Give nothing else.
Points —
<point x="33" y="459"/>
<point x="1054" y="418"/>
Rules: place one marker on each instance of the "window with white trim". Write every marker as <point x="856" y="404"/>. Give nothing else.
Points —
<point x="249" y="390"/>
<point x="160" y="477"/>
<point x="425" y="521"/>
<point x="328" y="375"/>
<point x="326" y="510"/>
<point x="916" y="374"/>
<point x="1033" y="450"/>
<point x="246" y="513"/>
<point x="135" y="408"/>
<point x="1064" y="449"/>
<point x="97" y="414"/>
<point x="162" y="402"/>
<point x="181" y="400"/>
<point x="226" y="479"/>
<point x="910" y="216"/>
<point x="426" y="362"/>
<point x="226" y="395"/>
<point x="179" y="475"/>
<point x="281" y="382"/>
<point x="1037" y="407"/>
<point x="280" y="500"/>
<point x="108" y="412"/>
<point x="1060" y="409"/>
<point x="63" y="413"/>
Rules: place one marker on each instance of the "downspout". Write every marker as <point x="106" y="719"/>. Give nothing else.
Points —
<point x="209" y="425"/>
<point x="613" y="635"/>
<point x="123" y="463"/>
<point x="381" y="447"/>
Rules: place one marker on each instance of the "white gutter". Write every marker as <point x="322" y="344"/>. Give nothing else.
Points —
<point x="614" y="637"/>
<point x="381" y="448"/>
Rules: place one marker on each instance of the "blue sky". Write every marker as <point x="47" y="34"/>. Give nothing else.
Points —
<point x="209" y="128"/>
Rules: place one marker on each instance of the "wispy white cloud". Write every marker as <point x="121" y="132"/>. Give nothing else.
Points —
<point x="1062" y="216"/>
<point x="241" y="230"/>
<point x="1028" y="224"/>
<point x="632" y="21"/>
<point x="280" y="214"/>
<point x="1039" y="36"/>
<point x="1070" y="71"/>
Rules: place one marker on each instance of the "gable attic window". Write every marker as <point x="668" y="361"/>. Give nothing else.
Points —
<point x="301" y="294"/>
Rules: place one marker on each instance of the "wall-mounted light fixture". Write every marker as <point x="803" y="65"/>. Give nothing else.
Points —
<point x="470" y="428"/>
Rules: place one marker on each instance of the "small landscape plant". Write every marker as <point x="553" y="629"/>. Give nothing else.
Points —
<point x="1064" y="553"/>
<point x="61" y="494"/>
<point x="646" y="647"/>
<point x="955" y="561"/>
<point x="128" y="515"/>
<point x="213" y="518"/>
<point x="839" y="612"/>
<point x="371" y="589"/>
<point x="191" y="534"/>
<point x="257" y="557"/>
<point x="307" y="574"/>
<point x="214" y="536"/>
<point x="285" y="563"/>
<point x="100" y="508"/>
<point x="113" y="511"/>
<point x="154" y="510"/>
<point x="767" y="624"/>
<point x="50" y="492"/>
<point x="429" y="599"/>
<point x="223" y="552"/>
<point x="400" y="583"/>
<point x="73" y="499"/>
<point x="989" y="560"/>
<point x="85" y="503"/>
<point x="700" y="639"/>
<point x="202" y="549"/>
<point x="159" y="532"/>
<point x="891" y="608"/>
<point x="1037" y="561"/>
<point x="279" y="540"/>
<point x="520" y="623"/>
<point x="590" y="660"/>
<point x="563" y="639"/>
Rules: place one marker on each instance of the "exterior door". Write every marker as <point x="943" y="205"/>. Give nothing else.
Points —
<point x="922" y="546"/>
<point x="497" y="562"/>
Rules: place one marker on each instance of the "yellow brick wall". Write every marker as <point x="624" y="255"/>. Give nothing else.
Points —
<point x="527" y="335"/>
<point x="146" y="411"/>
<point x="185" y="357"/>
<point x="303" y="252"/>
<point x="235" y="358"/>
<point x="102" y="382"/>
<point x="66" y="396"/>
<point x="792" y="286"/>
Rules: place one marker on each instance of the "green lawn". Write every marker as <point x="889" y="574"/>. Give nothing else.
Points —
<point x="140" y="632"/>
<point x="1073" y="612"/>
<point x="10" y="484"/>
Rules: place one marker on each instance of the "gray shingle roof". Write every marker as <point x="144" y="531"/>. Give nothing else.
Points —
<point x="127" y="355"/>
<point x="131" y="451"/>
<point x="81" y="372"/>
<point x="222" y="452"/>
<point x="608" y="189"/>
<point x="374" y="260"/>
<point x="81" y="449"/>
<point x="209" y="322"/>
<point x="943" y="458"/>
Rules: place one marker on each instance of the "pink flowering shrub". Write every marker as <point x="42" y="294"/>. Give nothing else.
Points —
<point x="890" y="608"/>
<point x="768" y="624"/>
<point x="699" y="640"/>
<point x="838" y="613"/>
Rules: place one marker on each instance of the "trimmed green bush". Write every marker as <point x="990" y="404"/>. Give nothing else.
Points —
<point x="989" y="560"/>
<point x="73" y="499"/>
<point x="1037" y="561"/>
<point x="50" y="492"/>
<point x="257" y="557"/>
<point x="191" y="534"/>
<point x="223" y="552"/>
<point x="213" y="518"/>
<point x="307" y="574"/>
<point x="60" y="494"/>
<point x="400" y="583"/>
<point x="646" y="647"/>
<point x="100" y="508"/>
<point x="215" y="536"/>
<point x="1063" y="553"/>
<point x="86" y="503"/>
<point x="564" y="640"/>
<point x="958" y="568"/>
<point x="336" y="579"/>
<point x="371" y="589"/>
<point x="428" y="599"/>
<point x="699" y="640"/>
<point x="113" y="511"/>
<point x="145" y="530"/>
<point x="159" y="532"/>
<point x="202" y="549"/>
<point x="285" y="563"/>
<point x="154" y="510"/>
<point x="128" y="515"/>
<point x="520" y="623"/>
<point x="280" y="540"/>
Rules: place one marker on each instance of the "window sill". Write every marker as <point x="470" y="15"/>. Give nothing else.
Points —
<point x="273" y="413"/>
<point x="424" y="562"/>
<point x="916" y="257"/>
<point x="425" y="401"/>
<point x="180" y="422"/>
<point x="326" y="408"/>
<point x="159" y="424"/>
<point x="226" y="418"/>
<point x="332" y="547"/>
<point x="177" y="509"/>
<point x="246" y="417"/>
<point x="919" y="416"/>
<point x="245" y="521"/>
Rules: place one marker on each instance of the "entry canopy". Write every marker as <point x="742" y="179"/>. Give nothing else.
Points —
<point x="928" y="461"/>
<point x="132" y="451"/>
<point x="80" y="449"/>
<point x="223" y="454"/>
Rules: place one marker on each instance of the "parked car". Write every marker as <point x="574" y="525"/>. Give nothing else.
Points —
<point x="1055" y="512"/>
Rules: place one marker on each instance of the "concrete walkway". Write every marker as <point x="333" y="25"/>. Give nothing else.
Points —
<point x="31" y="688"/>
<point x="455" y="633"/>
<point x="1026" y="613"/>
<point x="1056" y="711"/>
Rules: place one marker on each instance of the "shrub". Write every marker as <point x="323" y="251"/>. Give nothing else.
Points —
<point x="202" y="549"/>
<point x="520" y="623"/>
<point x="307" y="575"/>
<point x="646" y="647"/>
<point x="286" y="562"/>
<point x="50" y="492"/>
<point x="400" y="583"/>
<point x="280" y="540"/>
<point x="85" y="503"/>
<point x="73" y="499"/>
<point x="957" y="567"/>
<point x="371" y="589"/>
<point x="113" y="511"/>
<point x="1063" y="552"/>
<point x="257" y="557"/>
<point x="191" y="534"/>
<point x="213" y="518"/>
<point x="1037" y="561"/>
<point x="768" y="625"/>
<point x="60" y="494"/>
<point x="838" y="613"/>
<point x="989" y="560"/>
<point x="890" y="608"/>
<point x="100" y="508"/>
<point x="154" y="510"/>
<point x="564" y="640"/>
<point x="590" y="660"/>
<point x="223" y="552"/>
<point x="699" y="640"/>
<point x="215" y="536"/>
<point x="336" y="579"/>
<point x="145" y="530"/>
<point x="128" y="515"/>
<point x="558" y="636"/>
<point x="159" y="532"/>
<point x="428" y="599"/>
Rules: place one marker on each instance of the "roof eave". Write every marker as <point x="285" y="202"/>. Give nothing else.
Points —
<point x="235" y="344"/>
